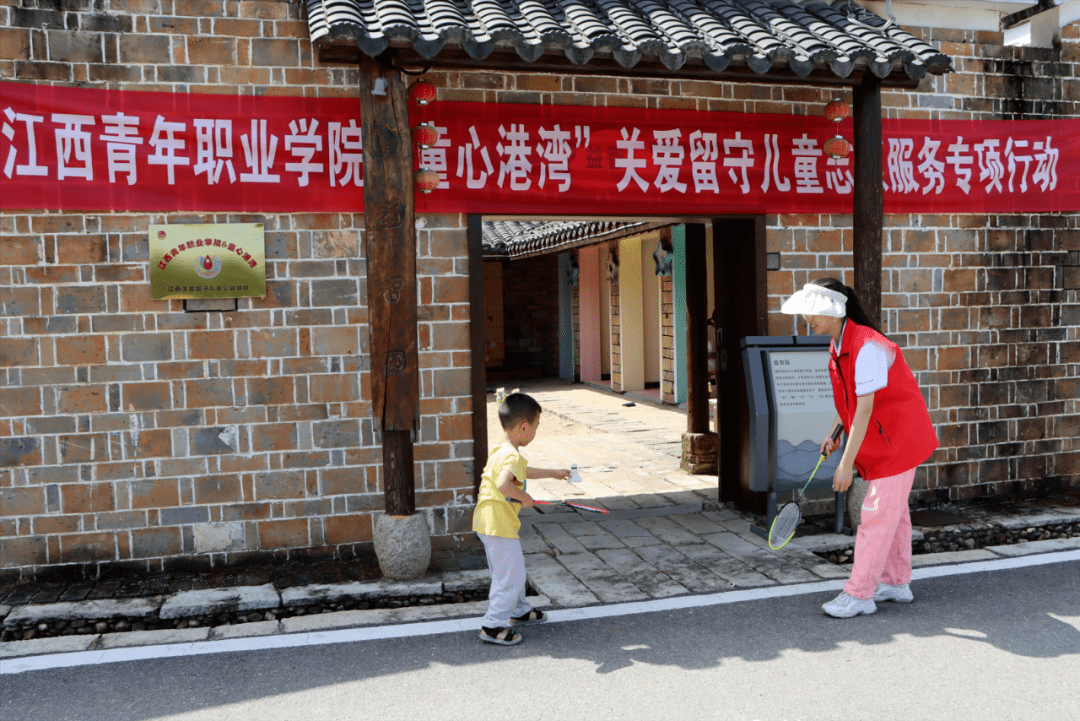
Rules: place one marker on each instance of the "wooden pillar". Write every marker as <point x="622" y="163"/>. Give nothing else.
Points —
<point x="699" y="444"/>
<point x="741" y="292"/>
<point x="390" y="239"/>
<point x="399" y="485"/>
<point x="477" y="343"/>
<point x="697" y="329"/>
<point x="868" y="216"/>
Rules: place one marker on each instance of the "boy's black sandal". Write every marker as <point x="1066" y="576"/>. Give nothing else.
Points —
<point x="509" y="637"/>
<point x="533" y="616"/>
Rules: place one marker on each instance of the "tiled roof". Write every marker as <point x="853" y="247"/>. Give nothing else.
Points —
<point x="519" y="239"/>
<point x="763" y="35"/>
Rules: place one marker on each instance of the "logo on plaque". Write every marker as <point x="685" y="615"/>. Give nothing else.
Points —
<point x="208" y="266"/>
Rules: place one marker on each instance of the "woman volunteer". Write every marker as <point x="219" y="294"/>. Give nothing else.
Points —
<point x="889" y="433"/>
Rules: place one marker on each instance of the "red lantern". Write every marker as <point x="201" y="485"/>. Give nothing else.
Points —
<point x="426" y="180"/>
<point x="422" y="92"/>
<point x="837" y="147"/>
<point x="425" y="135"/>
<point x="837" y="110"/>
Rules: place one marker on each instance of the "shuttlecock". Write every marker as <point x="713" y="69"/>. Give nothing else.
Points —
<point x="574" y="477"/>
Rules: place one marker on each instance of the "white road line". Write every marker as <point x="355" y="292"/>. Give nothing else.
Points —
<point x="376" y="633"/>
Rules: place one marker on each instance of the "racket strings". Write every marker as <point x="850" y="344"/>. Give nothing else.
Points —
<point x="784" y="525"/>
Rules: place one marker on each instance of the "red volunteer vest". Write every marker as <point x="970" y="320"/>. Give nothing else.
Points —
<point x="900" y="435"/>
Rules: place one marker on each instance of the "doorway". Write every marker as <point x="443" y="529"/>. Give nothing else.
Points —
<point x="619" y="331"/>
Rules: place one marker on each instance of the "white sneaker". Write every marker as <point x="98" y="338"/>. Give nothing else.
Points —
<point x="900" y="593"/>
<point x="845" y="606"/>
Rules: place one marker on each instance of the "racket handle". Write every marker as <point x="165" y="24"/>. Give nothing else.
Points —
<point x="835" y="437"/>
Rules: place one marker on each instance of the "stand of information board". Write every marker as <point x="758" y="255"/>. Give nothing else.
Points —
<point x="791" y="412"/>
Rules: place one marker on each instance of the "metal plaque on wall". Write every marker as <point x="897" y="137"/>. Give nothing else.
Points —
<point x="207" y="261"/>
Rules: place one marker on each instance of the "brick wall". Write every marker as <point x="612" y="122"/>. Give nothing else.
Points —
<point x="530" y="320"/>
<point x="138" y="435"/>
<point x="989" y="321"/>
<point x="616" y="325"/>
<point x="667" y="339"/>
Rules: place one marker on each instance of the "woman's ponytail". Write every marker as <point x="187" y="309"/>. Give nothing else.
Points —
<point x="854" y="307"/>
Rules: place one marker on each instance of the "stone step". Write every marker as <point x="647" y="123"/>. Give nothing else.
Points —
<point x="220" y="600"/>
<point x="67" y="610"/>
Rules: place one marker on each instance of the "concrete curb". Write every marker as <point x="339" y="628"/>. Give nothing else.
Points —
<point x="331" y="593"/>
<point x="42" y="646"/>
<point x="243" y="598"/>
<point x="220" y="600"/>
<point x="43" y="613"/>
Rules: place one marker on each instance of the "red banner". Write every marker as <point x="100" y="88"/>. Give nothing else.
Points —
<point x="88" y="149"/>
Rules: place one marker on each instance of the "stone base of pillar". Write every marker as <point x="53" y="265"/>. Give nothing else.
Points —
<point x="854" y="500"/>
<point x="402" y="546"/>
<point x="700" y="453"/>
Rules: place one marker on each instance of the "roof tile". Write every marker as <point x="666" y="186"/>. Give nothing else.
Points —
<point x="523" y="238"/>
<point x="763" y="35"/>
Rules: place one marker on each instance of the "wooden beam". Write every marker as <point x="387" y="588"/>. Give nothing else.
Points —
<point x="477" y="345"/>
<point x="697" y="329"/>
<point x="390" y="241"/>
<point x="868" y="216"/>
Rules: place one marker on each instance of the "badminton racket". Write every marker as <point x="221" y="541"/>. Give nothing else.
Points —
<point x="579" y="506"/>
<point x="788" y="519"/>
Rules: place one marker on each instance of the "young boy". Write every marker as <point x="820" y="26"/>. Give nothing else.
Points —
<point x="496" y="521"/>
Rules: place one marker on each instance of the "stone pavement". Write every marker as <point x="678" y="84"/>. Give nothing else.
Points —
<point x="665" y="535"/>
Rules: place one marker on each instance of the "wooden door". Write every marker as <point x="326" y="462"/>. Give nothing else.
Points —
<point x="740" y="288"/>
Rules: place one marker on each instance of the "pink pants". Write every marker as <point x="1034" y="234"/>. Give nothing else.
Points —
<point x="883" y="542"/>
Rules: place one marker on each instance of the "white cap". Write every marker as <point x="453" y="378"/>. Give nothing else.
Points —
<point x="815" y="299"/>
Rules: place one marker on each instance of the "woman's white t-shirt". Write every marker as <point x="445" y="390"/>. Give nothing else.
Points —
<point x="871" y="367"/>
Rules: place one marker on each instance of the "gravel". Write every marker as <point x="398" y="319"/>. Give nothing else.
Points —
<point x="154" y="622"/>
<point x="965" y="537"/>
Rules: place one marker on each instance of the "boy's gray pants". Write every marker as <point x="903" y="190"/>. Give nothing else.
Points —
<point x="507" y="596"/>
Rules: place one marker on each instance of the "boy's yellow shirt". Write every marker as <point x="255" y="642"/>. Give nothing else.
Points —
<point x="494" y="515"/>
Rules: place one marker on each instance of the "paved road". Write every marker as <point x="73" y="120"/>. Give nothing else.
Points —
<point x="998" y="645"/>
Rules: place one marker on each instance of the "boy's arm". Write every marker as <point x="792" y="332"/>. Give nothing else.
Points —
<point x="561" y="473"/>
<point x="510" y="487"/>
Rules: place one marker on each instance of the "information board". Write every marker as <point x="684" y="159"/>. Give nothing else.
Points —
<point x="803" y="412"/>
<point x="791" y="411"/>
